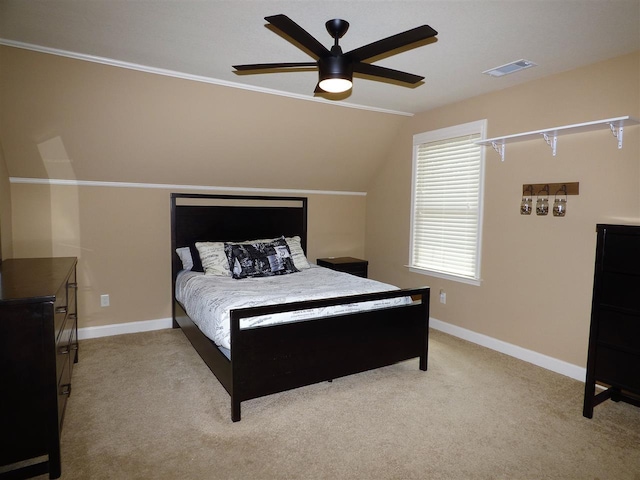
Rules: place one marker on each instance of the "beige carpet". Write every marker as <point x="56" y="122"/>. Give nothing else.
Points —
<point x="144" y="406"/>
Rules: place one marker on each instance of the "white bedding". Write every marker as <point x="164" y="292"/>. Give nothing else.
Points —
<point x="208" y="299"/>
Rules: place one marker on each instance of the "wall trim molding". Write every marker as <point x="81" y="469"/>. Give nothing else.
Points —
<point x="539" y="359"/>
<point x="544" y="361"/>
<point x="186" y="76"/>
<point x="91" y="183"/>
<point x="86" y="333"/>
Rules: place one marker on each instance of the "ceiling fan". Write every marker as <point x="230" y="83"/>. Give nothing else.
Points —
<point x="336" y="68"/>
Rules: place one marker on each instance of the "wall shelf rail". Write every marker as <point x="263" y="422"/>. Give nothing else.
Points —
<point x="550" y="135"/>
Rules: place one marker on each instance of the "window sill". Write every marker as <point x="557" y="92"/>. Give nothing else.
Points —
<point x="446" y="276"/>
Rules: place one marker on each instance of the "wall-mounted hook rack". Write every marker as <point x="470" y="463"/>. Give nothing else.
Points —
<point x="550" y="135"/>
<point x="570" y="188"/>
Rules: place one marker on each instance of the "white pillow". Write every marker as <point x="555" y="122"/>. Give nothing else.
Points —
<point x="214" y="260"/>
<point x="185" y="256"/>
<point x="299" y="260"/>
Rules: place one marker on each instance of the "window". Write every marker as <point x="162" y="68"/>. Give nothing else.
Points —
<point x="446" y="213"/>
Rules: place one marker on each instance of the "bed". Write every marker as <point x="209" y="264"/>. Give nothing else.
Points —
<point x="275" y="357"/>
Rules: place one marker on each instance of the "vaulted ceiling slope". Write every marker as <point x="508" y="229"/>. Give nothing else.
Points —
<point x="64" y="118"/>
<point x="203" y="39"/>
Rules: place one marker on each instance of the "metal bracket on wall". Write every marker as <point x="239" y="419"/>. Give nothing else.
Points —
<point x="552" y="142"/>
<point x="617" y="133"/>
<point x="499" y="148"/>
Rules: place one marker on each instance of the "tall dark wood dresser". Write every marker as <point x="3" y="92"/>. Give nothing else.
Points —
<point x="614" y="341"/>
<point x="38" y="347"/>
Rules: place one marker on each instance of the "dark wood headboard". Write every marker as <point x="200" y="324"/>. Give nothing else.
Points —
<point x="232" y="218"/>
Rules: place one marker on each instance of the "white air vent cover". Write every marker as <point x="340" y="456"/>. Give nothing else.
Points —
<point x="510" y="68"/>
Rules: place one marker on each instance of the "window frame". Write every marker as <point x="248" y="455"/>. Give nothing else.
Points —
<point x="476" y="127"/>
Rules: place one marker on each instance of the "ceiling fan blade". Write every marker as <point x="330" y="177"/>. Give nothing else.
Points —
<point x="391" y="43"/>
<point x="384" y="72"/>
<point x="300" y="35"/>
<point x="264" y="66"/>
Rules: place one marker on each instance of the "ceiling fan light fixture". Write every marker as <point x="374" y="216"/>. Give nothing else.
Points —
<point x="335" y="85"/>
<point x="335" y="74"/>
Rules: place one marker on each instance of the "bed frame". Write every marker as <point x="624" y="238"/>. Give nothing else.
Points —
<point x="277" y="358"/>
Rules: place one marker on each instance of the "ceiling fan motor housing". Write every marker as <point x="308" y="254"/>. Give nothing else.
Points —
<point x="335" y="67"/>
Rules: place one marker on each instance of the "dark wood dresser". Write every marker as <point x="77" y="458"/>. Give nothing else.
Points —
<point x="38" y="345"/>
<point x="614" y="341"/>
<point x="354" y="266"/>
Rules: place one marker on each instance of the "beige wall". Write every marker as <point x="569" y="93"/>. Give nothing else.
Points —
<point x="121" y="237"/>
<point x="6" y="237"/>
<point x="80" y="121"/>
<point x="537" y="272"/>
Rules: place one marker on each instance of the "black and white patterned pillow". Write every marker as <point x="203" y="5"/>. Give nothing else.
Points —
<point x="259" y="259"/>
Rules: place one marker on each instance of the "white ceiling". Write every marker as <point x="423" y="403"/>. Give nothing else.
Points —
<point x="204" y="38"/>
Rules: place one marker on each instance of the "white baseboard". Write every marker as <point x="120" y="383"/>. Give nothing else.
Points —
<point x="544" y="361"/>
<point x="122" y="328"/>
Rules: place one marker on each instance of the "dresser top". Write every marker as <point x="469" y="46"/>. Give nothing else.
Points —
<point x="29" y="280"/>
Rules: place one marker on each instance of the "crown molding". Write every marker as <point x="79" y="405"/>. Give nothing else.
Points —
<point x="186" y="76"/>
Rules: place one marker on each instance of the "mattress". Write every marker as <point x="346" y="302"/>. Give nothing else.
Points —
<point x="208" y="299"/>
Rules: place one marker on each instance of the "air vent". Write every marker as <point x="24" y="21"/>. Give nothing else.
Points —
<point x="510" y="68"/>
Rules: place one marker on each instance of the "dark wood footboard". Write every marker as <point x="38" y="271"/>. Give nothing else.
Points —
<point x="276" y="358"/>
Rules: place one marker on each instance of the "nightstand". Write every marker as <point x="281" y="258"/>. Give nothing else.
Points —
<point x="354" y="266"/>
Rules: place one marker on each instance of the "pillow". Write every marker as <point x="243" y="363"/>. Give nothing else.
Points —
<point x="185" y="256"/>
<point x="295" y="247"/>
<point x="299" y="260"/>
<point x="215" y="262"/>
<point x="214" y="259"/>
<point x="259" y="259"/>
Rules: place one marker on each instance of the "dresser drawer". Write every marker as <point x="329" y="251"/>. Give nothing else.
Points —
<point x="616" y="256"/>
<point x="618" y="368"/>
<point x="60" y="309"/>
<point x="621" y="290"/>
<point x="64" y="347"/>
<point x="72" y="288"/>
<point x="64" y="390"/>
<point x="619" y="328"/>
<point x="351" y="265"/>
<point x="354" y="269"/>
<point x="73" y="345"/>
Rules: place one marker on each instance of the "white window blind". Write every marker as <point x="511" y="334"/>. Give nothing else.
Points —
<point x="447" y="203"/>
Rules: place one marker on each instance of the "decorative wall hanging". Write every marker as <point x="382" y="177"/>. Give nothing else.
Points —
<point x="542" y="191"/>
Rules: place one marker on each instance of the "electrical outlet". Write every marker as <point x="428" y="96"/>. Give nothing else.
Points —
<point x="443" y="296"/>
<point x="104" y="300"/>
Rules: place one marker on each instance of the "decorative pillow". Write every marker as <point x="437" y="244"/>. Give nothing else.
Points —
<point x="259" y="259"/>
<point x="214" y="259"/>
<point x="185" y="256"/>
<point x="295" y="247"/>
